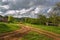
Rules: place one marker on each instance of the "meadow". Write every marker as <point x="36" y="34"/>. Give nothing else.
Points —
<point x="54" y="29"/>
<point x="35" y="36"/>
<point x="8" y="27"/>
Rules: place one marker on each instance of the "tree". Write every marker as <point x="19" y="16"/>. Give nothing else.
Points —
<point x="10" y="19"/>
<point x="42" y="19"/>
<point x="58" y="4"/>
<point x="1" y="16"/>
<point x="54" y="16"/>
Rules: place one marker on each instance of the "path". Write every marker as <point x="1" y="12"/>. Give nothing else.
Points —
<point x="47" y="33"/>
<point x="15" y="35"/>
<point x="24" y="30"/>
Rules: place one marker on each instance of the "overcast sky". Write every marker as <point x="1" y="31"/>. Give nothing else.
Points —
<point x="6" y="5"/>
<point x="16" y="4"/>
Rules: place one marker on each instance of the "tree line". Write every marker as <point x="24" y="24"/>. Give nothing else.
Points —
<point x="53" y="19"/>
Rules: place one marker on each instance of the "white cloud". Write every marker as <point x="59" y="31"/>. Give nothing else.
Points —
<point x="22" y="11"/>
<point x="25" y="10"/>
<point x="30" y="9"/>
<point x="1" y="12"/>
<point x="17" y="11"/>
<point x="5" y="6"/>
<point x="4" y="0"/>
<point x="10" y="12"/>
<point x="50" y="10"/>
<point x="37" y="10"/>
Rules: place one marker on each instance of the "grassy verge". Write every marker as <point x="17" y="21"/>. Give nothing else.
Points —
<point x="54" y="29"/>
<point x="35" y="36"/>
<point x="8" y="27"/>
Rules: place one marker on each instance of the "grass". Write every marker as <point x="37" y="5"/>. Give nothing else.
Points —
<point x="8" y="27"/>
<point x="54" y="29"/>
<point x="35" y="36"/>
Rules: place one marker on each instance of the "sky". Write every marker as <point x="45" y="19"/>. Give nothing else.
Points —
<point x="24" y="6"/>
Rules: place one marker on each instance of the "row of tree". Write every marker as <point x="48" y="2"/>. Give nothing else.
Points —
<point x="43" y="20"/>
<point x="53" y="19"/>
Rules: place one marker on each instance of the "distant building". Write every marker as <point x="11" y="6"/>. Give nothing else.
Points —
<point x="2" y="19"/>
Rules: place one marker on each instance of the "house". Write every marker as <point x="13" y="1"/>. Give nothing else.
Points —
<point x="2" y="19"/>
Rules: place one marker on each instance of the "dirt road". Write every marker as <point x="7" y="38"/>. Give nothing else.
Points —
<point x="44" y="32"/>
<point x="24" y="30"/>
<point x="15" y="34"/>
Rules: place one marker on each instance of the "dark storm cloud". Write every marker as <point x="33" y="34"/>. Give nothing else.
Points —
<point x="20" y="4"/>
<point x="25" y="3"/>
<point x="16" y="4"/>
<point x="42" y="5"/>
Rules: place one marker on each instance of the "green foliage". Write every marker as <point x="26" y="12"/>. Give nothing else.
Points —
<point x="1" y="16"/>
<point x="10" y="19"/>
<point x="42" y="19"/>
<point x="30" y="20"/>
<point x="58" y="4"/>
<point x="54" y="19"/>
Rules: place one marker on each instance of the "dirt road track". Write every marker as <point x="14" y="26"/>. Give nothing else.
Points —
<point x="44" y="32"/>
<point x="15" y="35"/>
<point x="24" y="30"/>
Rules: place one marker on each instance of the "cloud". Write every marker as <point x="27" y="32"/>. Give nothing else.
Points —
<point x="10" y="12"/>
<point x="26" y="6"/>
<point x="22" y="11"/>
<point x="5" y="6"/>
<point x="16" y="4"/>
<point x="4" y="0"/>
<point x="39" y="8"/>
<point x="1" y="12"/>
<point x="50" y="10"/>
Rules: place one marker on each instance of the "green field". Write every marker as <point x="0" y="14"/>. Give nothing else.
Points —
<point x="54" y="29"/>
<point x="35" y="36"/>
<point x="8" y="27"/>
